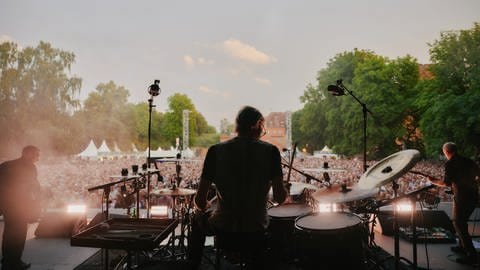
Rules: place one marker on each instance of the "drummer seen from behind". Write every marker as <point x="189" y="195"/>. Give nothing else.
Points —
<point x="461" y="174"/>
<point x="243" y="169"/>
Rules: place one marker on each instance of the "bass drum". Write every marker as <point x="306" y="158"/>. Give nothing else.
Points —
<point x="330" y="241"/>
<point x="281" y="228"/>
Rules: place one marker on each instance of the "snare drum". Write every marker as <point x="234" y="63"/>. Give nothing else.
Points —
<point x="330" y="241"/>
<point x="281" y="228"/>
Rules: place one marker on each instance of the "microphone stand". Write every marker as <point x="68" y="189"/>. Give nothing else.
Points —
<point x="153" y="90"/>
<point x="365" y="110"/>
<point x="150" y="107"/>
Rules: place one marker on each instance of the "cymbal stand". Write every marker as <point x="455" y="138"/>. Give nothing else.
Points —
<point x="395" y="187"/>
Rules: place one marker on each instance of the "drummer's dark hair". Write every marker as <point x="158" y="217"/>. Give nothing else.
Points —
<point x="451" y="147"/>
<point x="29" y="149"/>
<point x="246" y="118"/>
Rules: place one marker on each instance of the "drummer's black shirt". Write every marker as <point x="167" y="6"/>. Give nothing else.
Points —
<point x="242" y="170"/>
<point x="460" y="173"/>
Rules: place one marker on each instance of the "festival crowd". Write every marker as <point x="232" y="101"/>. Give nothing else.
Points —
<point x="67" y="180"/>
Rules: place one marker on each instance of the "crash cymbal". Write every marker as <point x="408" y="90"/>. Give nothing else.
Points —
<point x="342" y="194"/>
<point x="297" y="188"/>
<point x="174" y="192"/>
<point x="389" y="169"/>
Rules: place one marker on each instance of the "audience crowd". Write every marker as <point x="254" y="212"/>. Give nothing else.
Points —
<point x="67" y="180"/>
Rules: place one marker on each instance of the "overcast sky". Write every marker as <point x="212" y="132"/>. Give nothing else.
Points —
<point x="226" y="54"/>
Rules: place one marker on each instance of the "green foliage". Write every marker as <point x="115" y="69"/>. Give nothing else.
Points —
<point x="207" y="139"/>
<point x="385" y="86"/>
<point x="172" y="125"/>
<point x="450" y="105"/>
<point x="37" y="93"/>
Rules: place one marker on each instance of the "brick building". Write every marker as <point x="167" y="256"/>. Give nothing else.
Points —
<point x="275" y="123"/>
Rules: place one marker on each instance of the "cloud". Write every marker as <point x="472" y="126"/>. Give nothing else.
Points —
<point x="210" y="91"/>
<point x="205" y="89"/>
<point x="263" y="81"/>
<point x="241" y="51"/>
<point x="189" y="62"/>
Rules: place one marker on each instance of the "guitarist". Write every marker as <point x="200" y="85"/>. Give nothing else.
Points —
<point x="18" y="188"/>
<point x="460" y="175"/>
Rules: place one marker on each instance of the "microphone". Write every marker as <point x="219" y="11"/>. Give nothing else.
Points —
<point x="336" y="90"/>
<point x="154" y="89"/>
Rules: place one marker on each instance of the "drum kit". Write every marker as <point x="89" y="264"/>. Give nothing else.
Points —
<point x="330" y="239"/>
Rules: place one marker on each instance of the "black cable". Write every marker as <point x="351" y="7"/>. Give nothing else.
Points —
<point x="425" y="242"/>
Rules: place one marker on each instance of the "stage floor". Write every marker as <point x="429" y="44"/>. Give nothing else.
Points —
<point x="57" y="254"/>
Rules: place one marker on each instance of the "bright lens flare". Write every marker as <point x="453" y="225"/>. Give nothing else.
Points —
<point x="327" y="207"/>
<point x="159" y="211"/>
<point x="76" y="208"/>
<point x="404" y="207"/>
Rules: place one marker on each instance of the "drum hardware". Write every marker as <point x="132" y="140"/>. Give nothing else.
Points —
<point x="342" y="234"/>
<point x="308" y="176"/>
<point x="181" y="210"/>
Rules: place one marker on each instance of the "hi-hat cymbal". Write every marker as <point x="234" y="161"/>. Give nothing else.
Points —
<point x="389" y="169"/>
<point x="297" y="188"/>
<point x="341" y="194"/>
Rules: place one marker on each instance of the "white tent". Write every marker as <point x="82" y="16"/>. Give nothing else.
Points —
<point x="134" y="148"/>
<point x="116" y="148"/>
<point x="103" y="149"/>
<point x="89" y="152"/>
<point x="325" y="152"/>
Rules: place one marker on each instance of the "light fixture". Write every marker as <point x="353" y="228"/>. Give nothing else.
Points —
<point x="159" y="211"/>
<point x="327" y="207"/>
<point x="76" y="208"/>
<point x="404" y="207"/>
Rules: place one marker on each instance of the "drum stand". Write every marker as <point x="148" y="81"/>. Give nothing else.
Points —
<point x="395" y="187"/>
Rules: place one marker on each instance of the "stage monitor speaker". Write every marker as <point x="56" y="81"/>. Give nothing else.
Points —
<point x="429" y="219"/>
<point x="58" y="225"/>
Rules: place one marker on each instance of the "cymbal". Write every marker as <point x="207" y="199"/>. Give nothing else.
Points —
<point x="174" y="192"/>
<point x="321" y="170"/>
<point x="297" y="188"/>
<point x="339" y="194"/>
<point x="389" y="169"/>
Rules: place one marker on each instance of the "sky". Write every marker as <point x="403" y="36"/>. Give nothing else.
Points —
<point x="226" y="54"/>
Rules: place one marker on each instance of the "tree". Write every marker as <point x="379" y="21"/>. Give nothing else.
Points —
<point x="449" y="100"/>
<point x="172" y="125"/>
<point x="107" y="115"/>
<point x="386" y="86"/>
<point x="37" y="96"/>
<point x="226" y="127"/>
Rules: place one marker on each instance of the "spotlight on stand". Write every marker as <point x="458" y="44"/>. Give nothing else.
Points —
<point x="154" y="89"/>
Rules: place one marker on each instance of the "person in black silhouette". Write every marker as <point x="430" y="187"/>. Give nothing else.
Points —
<point x="461" y="174"/>
<point x="243" y="169"/>
<point x="19" y="194"/>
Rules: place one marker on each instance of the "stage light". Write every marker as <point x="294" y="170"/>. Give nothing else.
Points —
<point x="159" y="211"/>
<point x="404" y="207"/>
<point x="76" y="208"/>
<point x="327" y="207"/>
